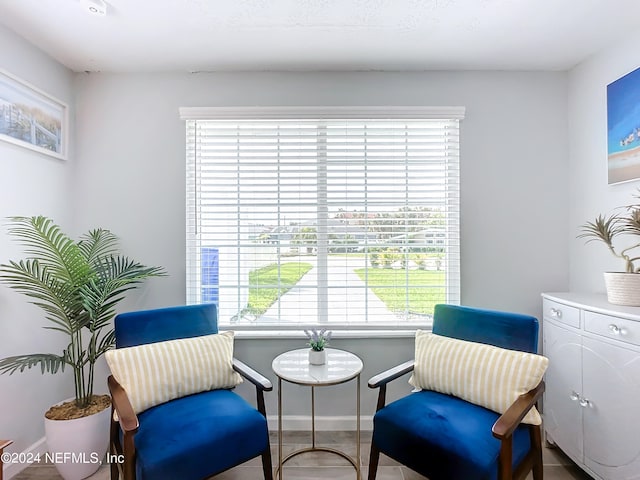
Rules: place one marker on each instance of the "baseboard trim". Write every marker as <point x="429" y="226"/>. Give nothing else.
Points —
<point x="12" y="469"/>
<point x="323" y="423"/>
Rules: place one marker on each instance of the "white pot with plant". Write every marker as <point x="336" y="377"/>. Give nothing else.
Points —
<point x="78" y="285"/>
<point x="318" y="340"/>
<point x="623" y="288"/>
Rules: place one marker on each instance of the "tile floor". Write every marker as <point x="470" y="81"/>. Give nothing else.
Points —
<point x="316" y="465"/>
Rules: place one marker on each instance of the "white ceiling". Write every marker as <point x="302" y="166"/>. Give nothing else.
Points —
<point x="214" y="35"/>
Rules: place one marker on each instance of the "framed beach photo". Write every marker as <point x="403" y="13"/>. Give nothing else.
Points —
<point x="32" y="118"/>
<point x="623" y="128"/>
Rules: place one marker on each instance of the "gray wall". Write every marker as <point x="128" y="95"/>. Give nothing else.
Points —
<point x="126" y="173"/>
<point x="30" y="183"/>
<point x="514" y="206"/>
<point x="589" y="193"/>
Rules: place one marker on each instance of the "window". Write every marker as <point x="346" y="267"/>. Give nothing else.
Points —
<point x="328" y="217"/>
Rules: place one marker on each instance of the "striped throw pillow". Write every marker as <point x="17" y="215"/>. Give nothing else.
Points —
<point x="482" y="374"/>
<point x="155" y="373"/>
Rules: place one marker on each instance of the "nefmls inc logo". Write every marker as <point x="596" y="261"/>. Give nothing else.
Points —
<point x="72" y="457"/>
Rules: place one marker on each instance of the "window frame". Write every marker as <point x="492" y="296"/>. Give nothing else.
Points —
<point x="333" y="113"/>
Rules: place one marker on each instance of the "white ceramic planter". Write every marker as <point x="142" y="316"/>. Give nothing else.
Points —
<point x="317" y="358"/>
<point x="623" y="288"/>
<point x="78" y="446"/>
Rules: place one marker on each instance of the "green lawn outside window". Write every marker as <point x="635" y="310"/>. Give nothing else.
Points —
<point x="268" y="284"/>
<point x="426" y="288"/>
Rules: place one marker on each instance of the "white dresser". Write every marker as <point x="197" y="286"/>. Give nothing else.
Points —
<point x="592" y="398"/>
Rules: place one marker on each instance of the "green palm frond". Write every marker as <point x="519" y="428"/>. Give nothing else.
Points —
<point x="114" y="277"/>
<point x="98" y="244"/>
<point x="48" y="363"/>
<point x="96" y="347"/>
<point x="45" y="241"/>
<point x="106" y="343"/>
<point x="59" y="299"/>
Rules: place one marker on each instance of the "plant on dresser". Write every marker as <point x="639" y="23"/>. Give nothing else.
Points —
<point x="592" y="383"/>
<point x="623" y="288"/>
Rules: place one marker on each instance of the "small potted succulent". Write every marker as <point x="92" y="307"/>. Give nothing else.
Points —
<point x="623" y="288"/>
<point x="317" y="341"/>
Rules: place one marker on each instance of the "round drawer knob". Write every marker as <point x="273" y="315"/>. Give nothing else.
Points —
<point x="555" y="312"/>
<point x="615" y="329"/>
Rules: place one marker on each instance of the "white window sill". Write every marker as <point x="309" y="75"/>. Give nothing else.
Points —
<point x="336" y="334"/>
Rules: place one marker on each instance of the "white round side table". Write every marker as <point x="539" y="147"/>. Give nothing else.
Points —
<point x="294" y="367"/>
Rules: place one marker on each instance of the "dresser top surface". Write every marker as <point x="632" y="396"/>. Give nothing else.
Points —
<point x="594" y="302"/>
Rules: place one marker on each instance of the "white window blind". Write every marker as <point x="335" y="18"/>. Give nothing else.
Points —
<point x="301" y="218"/>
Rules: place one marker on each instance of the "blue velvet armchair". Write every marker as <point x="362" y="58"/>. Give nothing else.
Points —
<point x="446" y="438"/>
<point x="193" y="437"/>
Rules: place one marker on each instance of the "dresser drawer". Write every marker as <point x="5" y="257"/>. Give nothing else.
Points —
<point x="612" y="327"/>
<point x="561" y="313"/>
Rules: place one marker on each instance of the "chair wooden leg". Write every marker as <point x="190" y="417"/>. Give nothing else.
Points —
<point x="129" y="451"/>
<point x="536" y="448"/>
<point x="505" y="459"/>
<point x="374" y="457"/>
<point x="267" y="468"/>
<point x="113" y="451"/>
<point x="115" y="448"/>
<point x="115" y="472"/>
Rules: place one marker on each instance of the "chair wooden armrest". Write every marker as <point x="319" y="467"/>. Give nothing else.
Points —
<point x="391" y="374"/>
<point x="503" y="430"/>
<point x="126" y="416"/>
<point x="3" y="444"/>
<point x="260" y="381"/>
<point x="380" y="381"/>
<point x="509" y="420"/>
<point x="129" y="425"/>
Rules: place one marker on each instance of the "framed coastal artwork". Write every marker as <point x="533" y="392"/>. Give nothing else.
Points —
<point x="623" y="128"/>
<point x="32" y="118"/>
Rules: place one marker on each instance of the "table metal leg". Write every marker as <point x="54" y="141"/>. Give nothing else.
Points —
<point x="313" y="417"/>
<point x="279" y="475"/>
<point x="358" y="462"/>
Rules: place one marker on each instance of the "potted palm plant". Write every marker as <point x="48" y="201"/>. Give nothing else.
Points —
<point x="78" y="285"/>
<point x="623" y="288"/>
